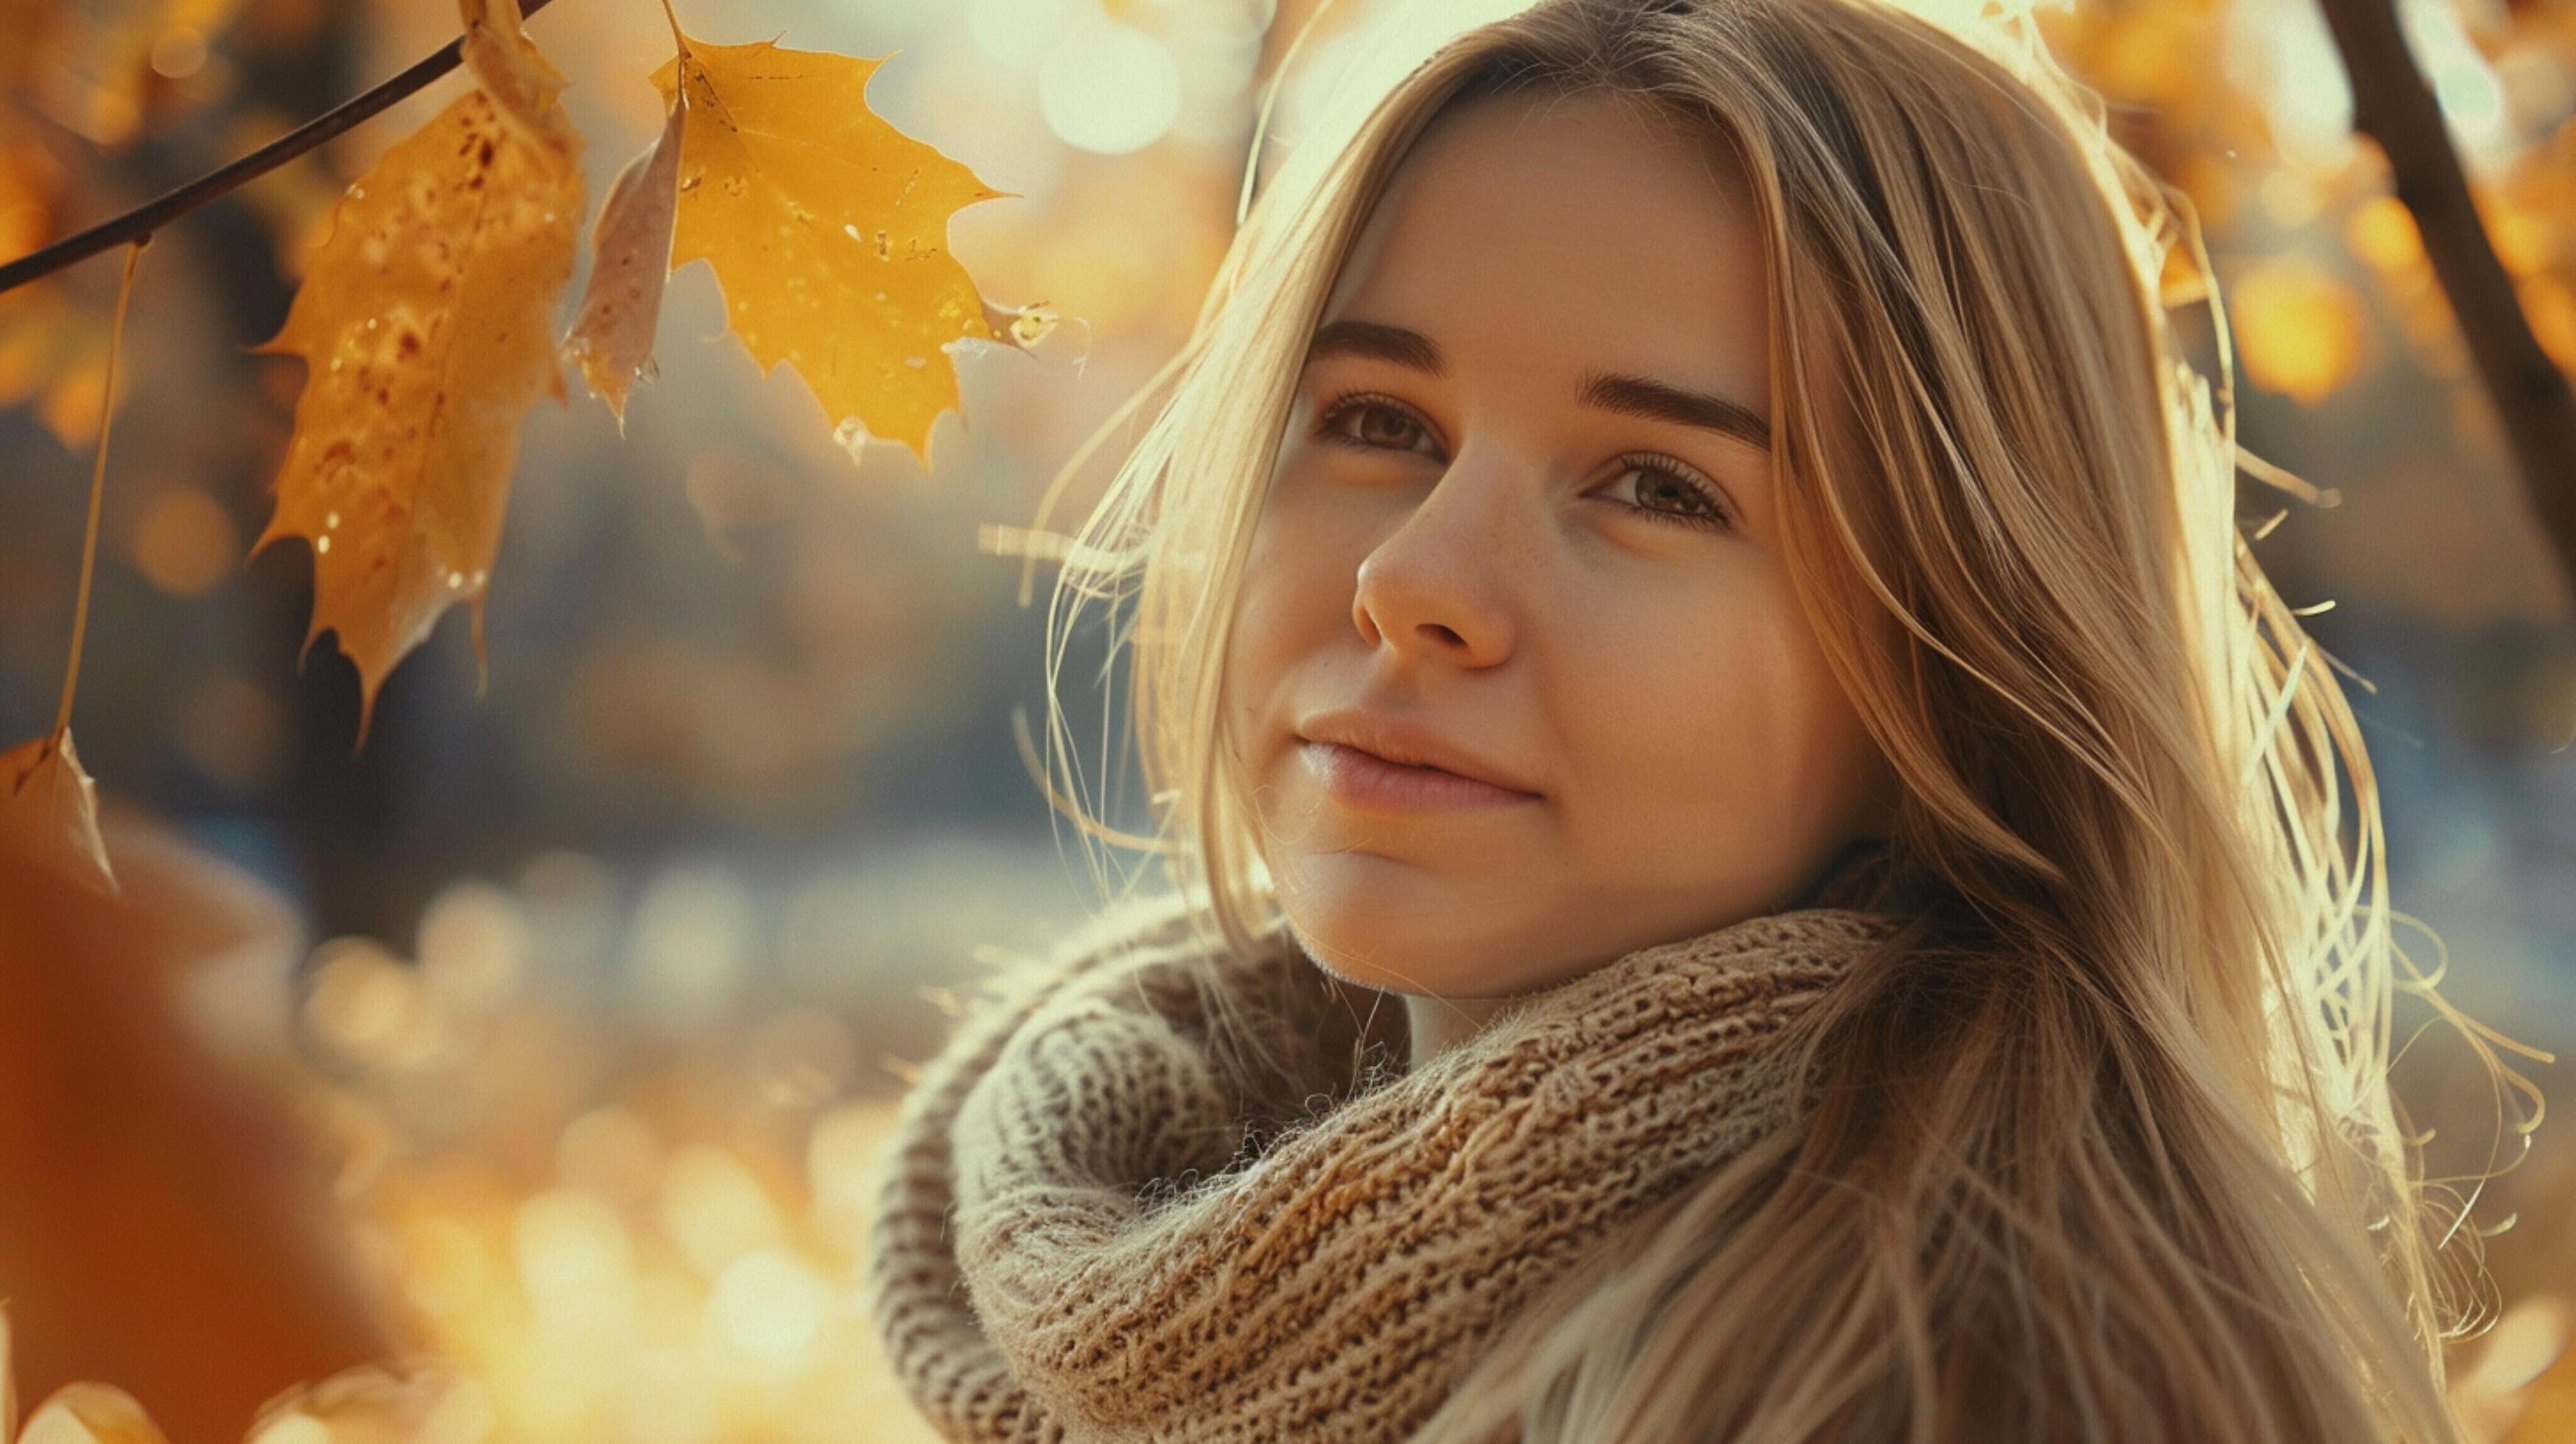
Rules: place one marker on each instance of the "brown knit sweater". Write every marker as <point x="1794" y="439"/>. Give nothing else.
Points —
<point x="1105" y="1216"/>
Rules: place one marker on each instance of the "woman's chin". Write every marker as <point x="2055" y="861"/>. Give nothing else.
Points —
<point x="1380" y="973"/>
<point x="1397" y="927"/>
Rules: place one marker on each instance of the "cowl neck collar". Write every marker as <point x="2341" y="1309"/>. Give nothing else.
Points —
<point x="1106" y="1214"/>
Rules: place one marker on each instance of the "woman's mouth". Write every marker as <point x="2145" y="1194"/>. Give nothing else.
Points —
<point x="1364" y="779"/>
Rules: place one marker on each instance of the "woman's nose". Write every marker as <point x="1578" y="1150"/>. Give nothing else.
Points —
<point x="1435" y="588"/>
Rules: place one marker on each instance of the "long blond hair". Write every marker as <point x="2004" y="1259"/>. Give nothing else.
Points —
<point x="2103" y="1144"/>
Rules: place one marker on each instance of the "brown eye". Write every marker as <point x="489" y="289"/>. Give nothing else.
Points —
<point x="1667" y="494"/>
<point x="1665" y="491"/>
<point x="1382" y="426"/>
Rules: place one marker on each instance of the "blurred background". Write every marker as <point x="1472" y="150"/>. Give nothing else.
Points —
<point x="594" y="993"/>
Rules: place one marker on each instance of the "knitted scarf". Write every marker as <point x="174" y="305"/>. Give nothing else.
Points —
<point x="1104" y="1216"/>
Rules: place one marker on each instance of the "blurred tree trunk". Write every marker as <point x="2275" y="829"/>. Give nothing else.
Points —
<point x="2393" y="106"/>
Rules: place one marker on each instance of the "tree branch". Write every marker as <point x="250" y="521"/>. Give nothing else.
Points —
<point x="2394" y="107"/>
<point x="143" y="220"/>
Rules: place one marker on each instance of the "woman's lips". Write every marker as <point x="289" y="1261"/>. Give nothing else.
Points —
<point x="1363" y="779"/>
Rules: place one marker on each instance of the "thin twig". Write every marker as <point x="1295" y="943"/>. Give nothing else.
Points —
<point x="97" y="486"/>
<point x="677" y="39"/>
<point x="143" y="220"/>
<point x="2393" y="106"/>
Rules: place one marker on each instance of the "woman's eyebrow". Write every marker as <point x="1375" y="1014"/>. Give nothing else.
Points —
<point x="1639" y="396"/>
<point x="1605" y="391"/>
<point x="1377" y="340"/>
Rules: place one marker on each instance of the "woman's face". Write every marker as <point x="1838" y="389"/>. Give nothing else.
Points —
<point x="1525" y="506"/>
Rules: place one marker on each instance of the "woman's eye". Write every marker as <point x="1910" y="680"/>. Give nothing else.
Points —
<point x="1664" y="492"/>
<point x="1667" y="494"/>
<point x="1382" y="426"/>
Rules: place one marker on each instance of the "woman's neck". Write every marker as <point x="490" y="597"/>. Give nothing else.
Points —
<point x="1439" y="1024"/>
<point x="1852" y="877"/>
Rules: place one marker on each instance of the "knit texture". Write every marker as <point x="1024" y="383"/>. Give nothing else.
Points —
<point x="1103" y="1216"/>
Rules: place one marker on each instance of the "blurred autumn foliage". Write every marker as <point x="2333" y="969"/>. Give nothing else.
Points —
<point x="583" y="1002"/>
<point x="164" y="1230"/>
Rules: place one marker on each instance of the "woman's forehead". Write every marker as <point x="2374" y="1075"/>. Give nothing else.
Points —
<point x="1568" y="234"/>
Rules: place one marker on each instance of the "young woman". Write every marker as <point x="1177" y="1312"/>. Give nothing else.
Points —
<point x="1756" y="858"/>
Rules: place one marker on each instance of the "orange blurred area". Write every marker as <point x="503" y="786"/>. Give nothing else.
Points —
<point x="166" y="1226"/>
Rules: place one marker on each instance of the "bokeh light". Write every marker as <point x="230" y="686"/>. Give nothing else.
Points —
<point x="1109" y="88"/>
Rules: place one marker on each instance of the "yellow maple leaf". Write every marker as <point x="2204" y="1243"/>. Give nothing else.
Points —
<point x="49" y="811"/>
<point x="827" y="230"/>
<point x="512" y="71"/>
<point x="425" y="320"/>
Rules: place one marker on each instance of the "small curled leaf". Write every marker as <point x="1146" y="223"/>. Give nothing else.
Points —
<point x="611" y="340"/>
<point x="1021" y="326"/>
<point x="49" y="816"/>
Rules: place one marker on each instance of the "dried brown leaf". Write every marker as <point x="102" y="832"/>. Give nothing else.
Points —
<point x="49" y="811"/>
<point x="611" y="340"/>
